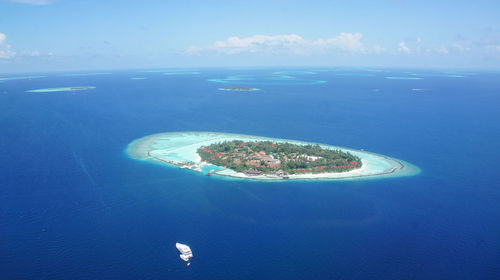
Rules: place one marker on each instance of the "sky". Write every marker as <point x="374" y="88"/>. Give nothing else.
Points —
<point x="58" y="35"/>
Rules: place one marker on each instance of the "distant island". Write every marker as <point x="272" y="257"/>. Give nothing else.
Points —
<point x="61" y="89"/>
<point x="262" y="158"/>
<point x="21" y="78"/>
<point x="270" y="158"/>
<point x="239" y="89"/>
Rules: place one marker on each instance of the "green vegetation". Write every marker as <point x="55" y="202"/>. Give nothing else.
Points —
<point x="266" y="157"/>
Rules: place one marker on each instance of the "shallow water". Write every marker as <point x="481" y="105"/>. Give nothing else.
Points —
<point x="284" y="78"/>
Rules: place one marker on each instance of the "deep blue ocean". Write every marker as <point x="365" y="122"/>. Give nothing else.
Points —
<point x="74" y="206"/>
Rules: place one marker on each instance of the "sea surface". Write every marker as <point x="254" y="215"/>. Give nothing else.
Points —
<point x="74" y="206"/>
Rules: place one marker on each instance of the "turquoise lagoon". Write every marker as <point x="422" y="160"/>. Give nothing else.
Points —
<point x="277" y="78"/>
<point x="404" y="78"/>
<point x="180" y="148"/>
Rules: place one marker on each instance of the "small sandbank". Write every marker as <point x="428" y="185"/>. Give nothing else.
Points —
<point x="182" y="73"/>
<point x="239" y="89"/>
<point x="294" y="73"/>
<point x="2" y="79"/>
<point x="179" y="149"/>
<point x="404" y="78"/>
<point x="86" y="74"/>
<point x="62" y="89"/>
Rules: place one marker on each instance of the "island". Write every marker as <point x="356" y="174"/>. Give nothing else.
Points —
<point x="239" y="156"/>
<point x="244" y="89"/>
<point x="294" y="73"/>
<point x="279" y="159"/>
<point x="266" y="80"/>
<point x="86" y="74"/>
<point x="182" y="73"/>
<point x="20" y="78"/>
<point x="404" y="78"/>
<point x="80" y="88"/>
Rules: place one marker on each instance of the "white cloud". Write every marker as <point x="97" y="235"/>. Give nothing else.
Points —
<point x="5" y="49"/>
<point x="349" y="42"/>
<point x="258" y="43"/>
<point x="459" y="47"/>
<point x="417" y="47"/>
<point x="34" y="53"/>
<point x="33" y="2"/>
<point x="378" y="49"/>
<point x="495" y="48"/>
<point x="403" y="48"/>
<point x="289" y="43"/>
<point x="442" y="50"/>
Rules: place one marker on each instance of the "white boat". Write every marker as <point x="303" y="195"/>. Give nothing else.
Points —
<point x="185" y="251"/>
